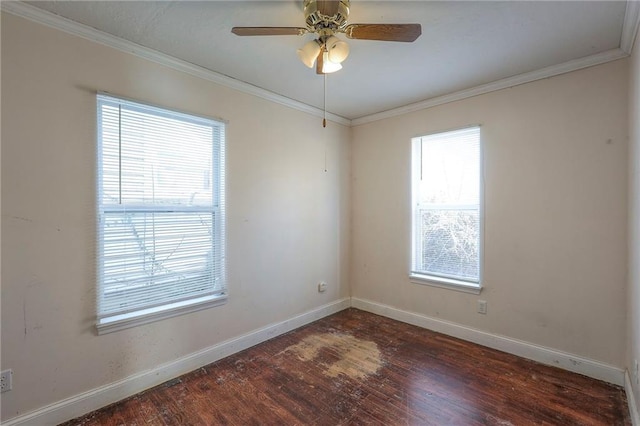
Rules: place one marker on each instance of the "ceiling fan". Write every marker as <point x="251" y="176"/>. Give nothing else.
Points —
<point x="326" y="18"/>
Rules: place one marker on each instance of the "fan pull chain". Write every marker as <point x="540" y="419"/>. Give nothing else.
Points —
<point x="324" y="121"/>
<point x="324" y="102"/>
<point x="325" y="156"/>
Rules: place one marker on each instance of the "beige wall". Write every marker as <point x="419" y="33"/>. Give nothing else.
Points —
<point x="633" y="352"/>
<point x="555" y="229"/>
<point x="555" y="219"/>
<point x="286" y="222"/>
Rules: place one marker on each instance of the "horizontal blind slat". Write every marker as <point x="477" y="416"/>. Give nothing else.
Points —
<point x="447" y="207"/>
<point x="161" y="186"/>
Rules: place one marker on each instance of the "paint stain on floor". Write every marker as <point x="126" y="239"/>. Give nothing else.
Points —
<point x="357" y="358"/>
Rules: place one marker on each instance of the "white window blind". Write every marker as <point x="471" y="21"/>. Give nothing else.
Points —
<point x="446" y="206"/>
<point x="160" y="206"/>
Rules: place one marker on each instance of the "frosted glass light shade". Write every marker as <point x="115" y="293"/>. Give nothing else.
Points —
<point x="338" y="49"/>
<point x="328" y="66"/>
<point x="309" y="52"/>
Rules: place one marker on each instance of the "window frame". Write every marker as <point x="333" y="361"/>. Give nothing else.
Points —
<point x="435" y="280"/>
<point x="107" y="323"/>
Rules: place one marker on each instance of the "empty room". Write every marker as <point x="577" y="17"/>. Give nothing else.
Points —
<point x="305" y="212"/>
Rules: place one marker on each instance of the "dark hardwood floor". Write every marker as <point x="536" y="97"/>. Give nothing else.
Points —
<point x="358" y="368"/>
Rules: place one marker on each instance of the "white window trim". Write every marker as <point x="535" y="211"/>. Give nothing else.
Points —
<point x="145" y="316"/>
<point x="117" y="322"/>
<point x="433" y="280"/>
<point x="441" y="282"/>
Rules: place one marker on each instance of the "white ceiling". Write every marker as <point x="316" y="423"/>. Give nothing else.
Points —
<point x="463" y="44"/>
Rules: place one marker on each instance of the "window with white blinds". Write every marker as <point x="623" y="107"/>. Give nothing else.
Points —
<point x="447" y="214"/>
<point x="161" y="236"/>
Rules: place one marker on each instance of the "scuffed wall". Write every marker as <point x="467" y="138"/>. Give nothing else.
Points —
<point x="555" y="193"/>
<point x="286" y="217"/>
<point x="633" y="298"/>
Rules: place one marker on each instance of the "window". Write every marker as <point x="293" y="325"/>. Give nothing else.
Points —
<point x="447" y="216"/>
<point x="160" y="213"/>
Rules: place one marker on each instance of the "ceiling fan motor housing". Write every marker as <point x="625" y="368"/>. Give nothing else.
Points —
<point x="323" y="14"/>
<point x="325" y="18"/>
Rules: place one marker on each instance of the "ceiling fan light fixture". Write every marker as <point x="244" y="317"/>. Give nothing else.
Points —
<point x="338" y="50"/>
<point x="325" y="18"/>
<point x="329" y="66"/>
<point x="309" y="52"/>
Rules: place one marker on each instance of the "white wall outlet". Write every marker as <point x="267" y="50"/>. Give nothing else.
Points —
<point x="482" y="307"/>
<point x="6" y="380"/>
<point x="322" y="287"/>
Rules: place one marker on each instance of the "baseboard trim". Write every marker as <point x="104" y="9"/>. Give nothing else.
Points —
<point x="86" y="402"/>
<point x="544" y="355"/>
<point x="631" y="400"/>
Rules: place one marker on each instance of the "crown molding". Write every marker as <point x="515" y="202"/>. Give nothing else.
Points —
<point x="49" y="19"/>
<point x="574" y="65"/>
<point x="32" y="13"/>
<point x="630" y="26"/>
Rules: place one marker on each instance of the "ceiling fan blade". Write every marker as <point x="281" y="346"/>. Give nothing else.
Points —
<point x="268" y="31"/>
<point x="384" y="32"/>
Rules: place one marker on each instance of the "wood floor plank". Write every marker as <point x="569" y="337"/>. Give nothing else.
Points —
<point x="356" y="368"/>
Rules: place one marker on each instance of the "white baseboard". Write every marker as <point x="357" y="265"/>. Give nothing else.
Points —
<point x="631" y="400"/>
<point x="86" y="402"/>
<point x="544" y="355"/>
<point x="94" y="399"/>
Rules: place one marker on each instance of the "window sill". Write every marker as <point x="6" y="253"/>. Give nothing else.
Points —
<point x="447" y="283"/>
<point x="145" y="316"/>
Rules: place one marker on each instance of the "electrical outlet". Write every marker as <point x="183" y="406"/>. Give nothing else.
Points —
<point x="482" y="307"/>
<point x="6" y="379"/>
<point x="322" y="287"/>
